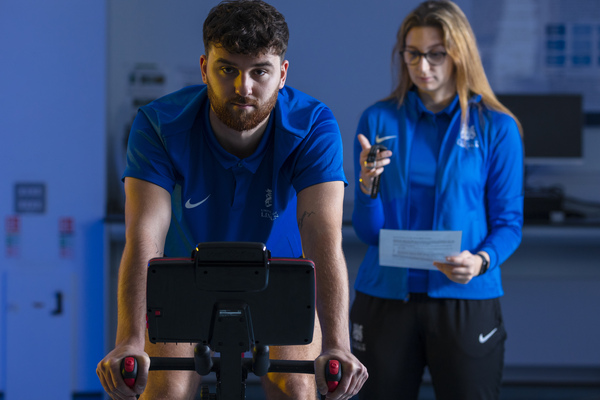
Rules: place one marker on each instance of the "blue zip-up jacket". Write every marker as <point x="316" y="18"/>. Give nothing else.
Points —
<point x="478" y="190"/>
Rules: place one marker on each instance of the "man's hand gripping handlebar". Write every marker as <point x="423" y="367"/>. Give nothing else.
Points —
<point x="129" y="370"/>
<point x="333" y="372"/>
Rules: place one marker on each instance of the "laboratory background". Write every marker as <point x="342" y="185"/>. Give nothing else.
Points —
<point x="73" y="73"/>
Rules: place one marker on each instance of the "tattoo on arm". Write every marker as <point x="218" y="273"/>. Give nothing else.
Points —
<point x="157" y="251"/>
<point x="304" y="215"/>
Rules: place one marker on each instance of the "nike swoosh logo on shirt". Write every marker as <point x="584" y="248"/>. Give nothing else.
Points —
<point x="483" y="339"/>
<point x="381" y="139"/>
<point x="189" y="204"/>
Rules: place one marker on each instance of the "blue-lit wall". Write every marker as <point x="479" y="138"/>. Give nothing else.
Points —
<point x="53" y="127"/>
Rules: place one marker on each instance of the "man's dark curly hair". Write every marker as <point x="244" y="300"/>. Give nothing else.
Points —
<point x="250" y="27"/>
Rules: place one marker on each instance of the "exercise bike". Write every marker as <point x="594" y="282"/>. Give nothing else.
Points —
<point x="231" y="298"/>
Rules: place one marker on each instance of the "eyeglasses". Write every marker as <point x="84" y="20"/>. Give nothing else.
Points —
<point x="413" y="57"/>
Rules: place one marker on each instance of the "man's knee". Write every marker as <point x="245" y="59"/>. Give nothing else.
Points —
<point x="171" y="385"/>
<point x="292" y="386"/>
<point x="289" y="386"/>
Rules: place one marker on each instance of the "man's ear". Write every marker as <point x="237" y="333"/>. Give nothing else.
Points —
<point x="284" y="68"/>
<point x="204" y="67"/>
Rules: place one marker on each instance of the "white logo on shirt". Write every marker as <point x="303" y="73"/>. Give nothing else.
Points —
<point x="272" y="215"/>
<point x="269" y="198"/>
<point x="381" y="139"/>
<point x="467" y="137"/>
<point x="189" y="204"/>
<point x="267" y="212"/>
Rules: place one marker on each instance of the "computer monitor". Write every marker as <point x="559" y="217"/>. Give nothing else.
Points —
<point x="552" y="126"/>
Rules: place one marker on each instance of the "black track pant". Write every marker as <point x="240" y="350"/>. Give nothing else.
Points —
<point x="461" y="342"/>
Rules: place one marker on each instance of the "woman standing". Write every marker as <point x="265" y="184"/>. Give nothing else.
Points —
<point x="453" y="161"/>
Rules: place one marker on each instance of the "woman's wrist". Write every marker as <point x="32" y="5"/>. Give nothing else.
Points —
<point x="363" y="186"/>
<point x="484" y="264"/>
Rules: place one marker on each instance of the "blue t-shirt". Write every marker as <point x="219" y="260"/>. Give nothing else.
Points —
<point x="216" y="196"/>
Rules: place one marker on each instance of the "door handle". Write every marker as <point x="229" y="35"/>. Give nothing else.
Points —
<point x="59" y="304"/>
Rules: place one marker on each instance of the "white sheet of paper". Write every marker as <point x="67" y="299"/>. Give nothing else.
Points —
<point x="417" y="249"/>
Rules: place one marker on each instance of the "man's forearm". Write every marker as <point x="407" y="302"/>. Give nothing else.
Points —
<point x="325" y="250"/>
<point x="320" y="223"/>
<point x="332" y="302"/>
<point x="132" y="292"/>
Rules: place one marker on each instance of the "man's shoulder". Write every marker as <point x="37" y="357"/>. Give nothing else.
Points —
<point x="300" y="113"/>
<point x="176" y="110"/>
<point x="175" y="102"/>
<point x="293" y="97"/>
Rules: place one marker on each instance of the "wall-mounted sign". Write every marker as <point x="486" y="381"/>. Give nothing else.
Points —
<point x="30" y="198"/>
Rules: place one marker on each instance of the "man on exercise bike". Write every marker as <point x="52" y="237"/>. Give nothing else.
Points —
<point x="241" y="158"/>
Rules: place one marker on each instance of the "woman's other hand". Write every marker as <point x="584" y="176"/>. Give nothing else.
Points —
<point x="369" y="170"/>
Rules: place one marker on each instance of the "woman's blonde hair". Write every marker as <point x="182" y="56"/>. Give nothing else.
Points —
<point x="461" y="47"/>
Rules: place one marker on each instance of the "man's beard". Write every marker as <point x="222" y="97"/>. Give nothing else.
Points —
<point x="242" y="120"/>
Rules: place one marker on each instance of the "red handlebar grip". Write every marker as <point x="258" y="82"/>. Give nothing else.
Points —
<point x="333" y="374"/>
<point x="129" y="370"/>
